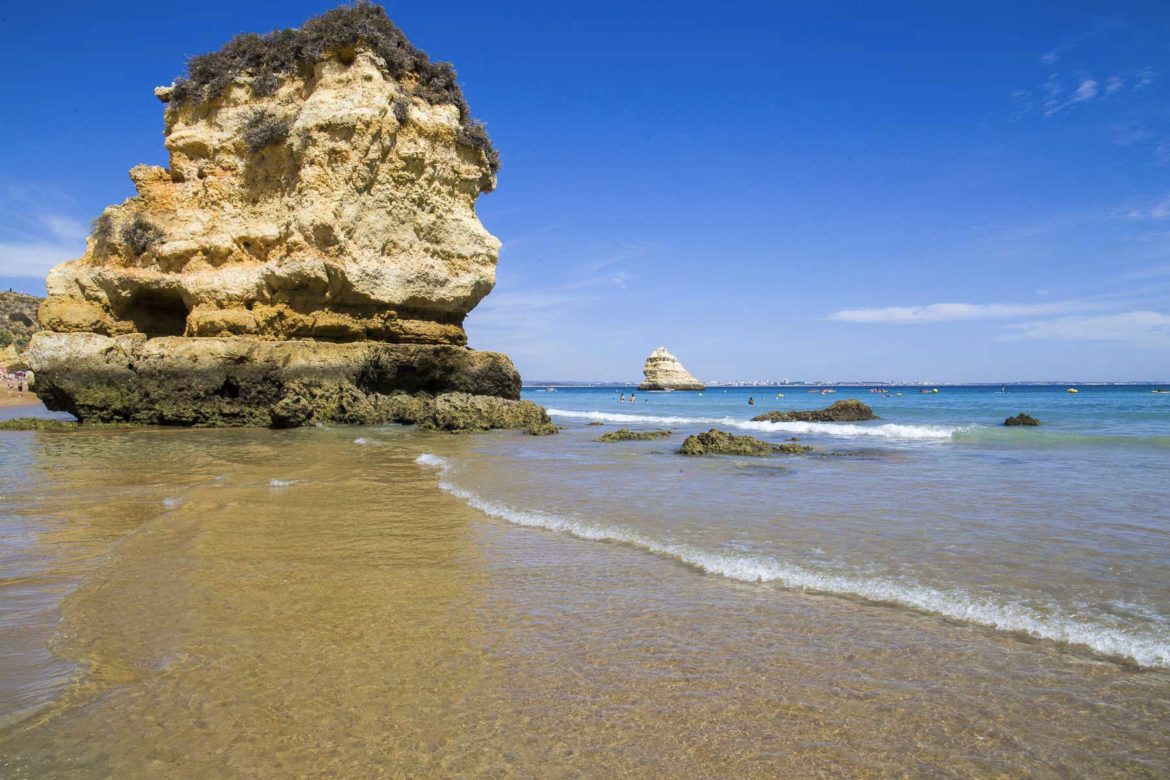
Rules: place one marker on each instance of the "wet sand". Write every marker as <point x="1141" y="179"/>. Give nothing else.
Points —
<point x="29" y="399"/>
<point x="274" y="604"/>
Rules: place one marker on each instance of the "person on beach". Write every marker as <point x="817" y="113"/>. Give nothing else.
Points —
<point x="633" y="400"/>
<point x="622" y="400"/>
<point x="751" y="401"/>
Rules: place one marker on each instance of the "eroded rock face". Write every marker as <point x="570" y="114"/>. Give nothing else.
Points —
<point x="318" y="211"/>
<point x="663" y="372"/>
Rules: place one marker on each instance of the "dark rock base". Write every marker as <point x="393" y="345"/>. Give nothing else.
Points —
<point x="214" y="382"/>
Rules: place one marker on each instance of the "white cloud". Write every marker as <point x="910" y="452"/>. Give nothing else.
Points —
<point x="1134" y="328"/>
<point x="1085" y="91"/>
<point x="1158" y="212"/>
<point x="1114" y="84"/>
<point x="1050" y="58"/>
<point x="1132" y="134"/>
<point x="953" y="312"/>
<point x="64" y="228"/>
<point x="33" y="259"/>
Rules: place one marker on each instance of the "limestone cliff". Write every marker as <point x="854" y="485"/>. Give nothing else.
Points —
<point x="321" y="189"/>
<point x="663" y="372"/>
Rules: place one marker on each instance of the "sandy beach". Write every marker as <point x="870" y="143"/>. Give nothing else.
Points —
<point x="11" y="401"/>
<point x="264" y="603"/>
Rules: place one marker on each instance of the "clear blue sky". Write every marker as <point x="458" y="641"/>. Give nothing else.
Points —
<point x="937" y="191"/>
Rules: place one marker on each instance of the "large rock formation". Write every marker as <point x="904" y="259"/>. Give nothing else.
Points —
<point x="663" y="372"/>
<point x="317" y="217"/>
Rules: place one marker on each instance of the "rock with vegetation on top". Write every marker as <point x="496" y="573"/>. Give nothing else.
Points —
<point x="625" y="434"/>
<point x="716" y="442"/>
<point x="663" y="372"/>
<point x="845" y="410"/>
<point x="311" y="249"/>
<point x="1021" y="419"/>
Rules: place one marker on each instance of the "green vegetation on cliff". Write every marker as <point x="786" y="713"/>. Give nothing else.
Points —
<point x="268" y="59"/>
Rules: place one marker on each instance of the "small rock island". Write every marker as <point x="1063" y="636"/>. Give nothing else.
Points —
<point x="663" y="372"/>
<point x="309" y="254"/>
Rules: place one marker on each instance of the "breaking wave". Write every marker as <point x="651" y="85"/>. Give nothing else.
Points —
<point x="1143" y="649"/>
<point x="883" y="430"/>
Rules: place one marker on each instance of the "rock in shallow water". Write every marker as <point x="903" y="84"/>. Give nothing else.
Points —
<point x="717" y="442"/>
<point x="845" y="410"/>
<point x="625" y="434"/>
<point x="1021" y="419"/>
<point x="663" y="372"/>
<point x="241" y="381"/>
<point x="309" y="254"/>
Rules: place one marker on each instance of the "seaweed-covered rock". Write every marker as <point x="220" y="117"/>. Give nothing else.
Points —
<point x="596" y="422"/>
<point x="464" y="412"/>
<point x="625" y="434"/>
<point x="845" y="410"/>
<point x="245" y="381"/>
<point x="1021" y="419"/>
<point x="717" y="442"/>
<point x="541" y="429"/>
<point x="37" y="424"/>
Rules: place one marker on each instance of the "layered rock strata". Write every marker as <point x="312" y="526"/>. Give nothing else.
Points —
<point x="663" y="372"/>
<point x="317" y="214"/>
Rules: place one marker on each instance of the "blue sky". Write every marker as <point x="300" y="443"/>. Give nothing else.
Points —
<point x="933" y="191"/>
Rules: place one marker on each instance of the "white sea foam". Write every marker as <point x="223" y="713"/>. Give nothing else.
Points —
<point x="282" y="483"/>
<point x="884" y="430"/>
<point x="172" y="503"/>
<point x="361" y="440"/>
<point x="1142" y="648"/>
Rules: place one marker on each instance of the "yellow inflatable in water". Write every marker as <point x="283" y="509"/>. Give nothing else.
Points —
<point x="1072" y="390"/>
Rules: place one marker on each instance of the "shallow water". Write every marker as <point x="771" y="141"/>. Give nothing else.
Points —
<point x="274" y="603"/>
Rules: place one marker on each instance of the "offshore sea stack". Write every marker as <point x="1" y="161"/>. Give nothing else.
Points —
<point x="663" y="372"/>
<point x="309" y="255"/>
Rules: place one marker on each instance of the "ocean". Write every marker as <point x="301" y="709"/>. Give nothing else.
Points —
<point x="929" y="593"/>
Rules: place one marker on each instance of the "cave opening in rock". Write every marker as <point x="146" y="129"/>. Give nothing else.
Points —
<point x="157" y="313"/>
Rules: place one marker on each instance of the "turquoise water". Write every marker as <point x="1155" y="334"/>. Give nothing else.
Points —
<point x="1059" y="533"/>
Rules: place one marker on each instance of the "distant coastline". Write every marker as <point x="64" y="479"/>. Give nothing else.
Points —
<point x="538" y="385"/>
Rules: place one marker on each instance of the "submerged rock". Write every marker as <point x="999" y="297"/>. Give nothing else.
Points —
<point x="625" y="434"/>
<point x="596" y="422"/>
<point x="663" y="372"/>
<point x="717" y="442"/>
<point x="845" y="410"/>
<point x="1021" y="419"/>
<point x="311" y="249"/>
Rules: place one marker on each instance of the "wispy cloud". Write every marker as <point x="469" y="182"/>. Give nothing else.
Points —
<point x="36" y="233"/>
<point x="1149" y="329"/>
<point x="1157" y="212"/>
<point x="1085" y="91"/>
<point x="955" y="312"/>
